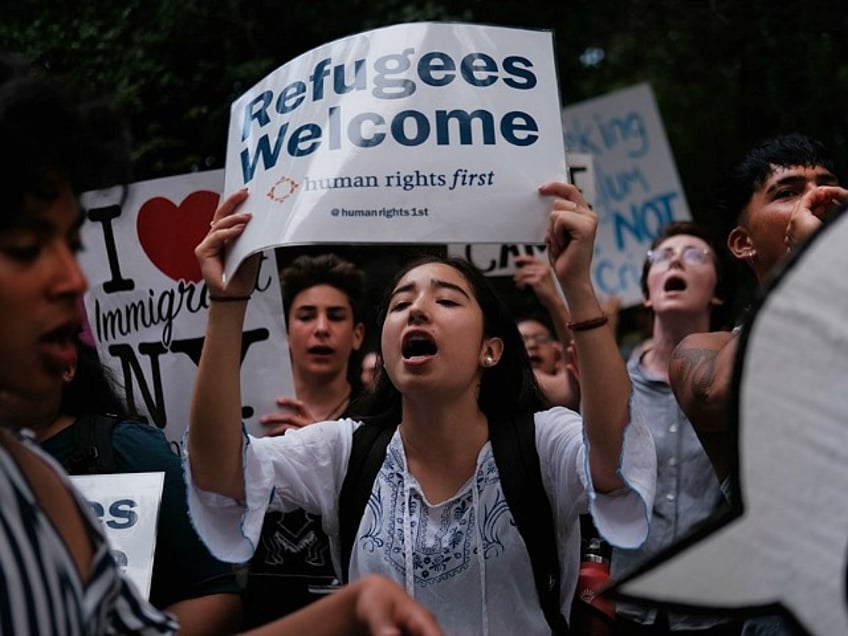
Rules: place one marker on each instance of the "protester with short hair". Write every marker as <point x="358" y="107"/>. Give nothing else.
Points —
<point x="774" y="198"/>
<point x="322" y="298"/>
<point x="682" y="286"/>
<point x="771" y="201"/>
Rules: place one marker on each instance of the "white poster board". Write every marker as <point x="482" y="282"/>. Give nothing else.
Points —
<point x="499" y="260"/>
<point x="638" y="188"/>
<point x="127" y="505"/>
<point x="414" y="133"/>
<point x="146" y="304"/>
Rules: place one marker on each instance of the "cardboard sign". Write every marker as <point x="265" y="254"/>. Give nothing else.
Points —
<point x="638" y="189"/>
<point x="499" y="260"/>
<point x="147" y="302"/>
<point x="128" y="506"/>
<point x="784" y="545"/>
<point x="414" y="133"/>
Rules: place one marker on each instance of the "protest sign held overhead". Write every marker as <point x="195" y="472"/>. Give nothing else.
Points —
<point x="638" y="190"/>
<point x="415" y="133"/>
<point x="147" y="302"/>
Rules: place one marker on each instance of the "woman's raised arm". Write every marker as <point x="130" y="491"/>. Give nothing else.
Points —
<point x="214" y="435"/>
<point x="604" y="382"/>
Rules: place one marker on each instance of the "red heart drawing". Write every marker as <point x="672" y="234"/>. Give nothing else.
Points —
<point x="169" y="233"/>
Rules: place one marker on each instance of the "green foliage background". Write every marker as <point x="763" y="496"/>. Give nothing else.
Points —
<point x="725" y="73"/>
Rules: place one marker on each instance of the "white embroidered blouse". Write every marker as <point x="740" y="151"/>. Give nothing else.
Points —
<point x="463" y="558"/>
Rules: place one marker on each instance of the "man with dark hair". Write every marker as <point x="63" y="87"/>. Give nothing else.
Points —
<point x="773" y="199"/>
<point x="322" y="297"/>
<point x="758" y="199"/>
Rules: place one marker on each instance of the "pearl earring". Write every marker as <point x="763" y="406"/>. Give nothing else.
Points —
<point x="488" y="361"/>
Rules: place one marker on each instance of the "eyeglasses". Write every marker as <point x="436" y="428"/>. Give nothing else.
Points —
<point x="691" y="255"/>
<point x="536" y="339"/>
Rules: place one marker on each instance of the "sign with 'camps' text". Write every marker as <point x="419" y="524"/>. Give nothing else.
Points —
<point x="414" y="133"/>
<point x="127" y="505"/>
<point x="147" y="301"/>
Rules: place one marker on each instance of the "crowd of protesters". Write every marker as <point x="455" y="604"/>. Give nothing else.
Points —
<point x="631" y="450"/>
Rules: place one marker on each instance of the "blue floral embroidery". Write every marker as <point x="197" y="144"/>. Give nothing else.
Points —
<point x="444" y="536"/>
<point x="370" y="539"/>
<point x="492" y="544"/>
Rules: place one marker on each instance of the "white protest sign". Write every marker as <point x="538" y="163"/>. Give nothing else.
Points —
<point x="638" y="188"/>
<point x="499" y="260"/>
<point x="414" y="133"/>
<point x="147" y="302"/>
<point x="127" y="505"/>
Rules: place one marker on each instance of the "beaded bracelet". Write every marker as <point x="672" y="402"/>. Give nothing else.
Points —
<point x="228" y="299"/>
<point x="586" y="325"/>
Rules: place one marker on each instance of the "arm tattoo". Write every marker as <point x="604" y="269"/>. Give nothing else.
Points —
<point x="697" y="369"/>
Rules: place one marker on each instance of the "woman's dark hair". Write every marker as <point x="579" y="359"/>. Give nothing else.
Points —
<point x="51" y="138"/>
<point x="93" y="389"/>
<point x="506" y="389"/>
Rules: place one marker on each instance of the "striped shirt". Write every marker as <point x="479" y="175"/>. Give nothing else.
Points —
<point x="40" y="588"/>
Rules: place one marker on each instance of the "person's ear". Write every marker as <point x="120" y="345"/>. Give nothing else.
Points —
<point x="69" y="373"/>
<point x="491" y="352"/>
<point x="358" y="335"/>
<point x="740" y="245"/>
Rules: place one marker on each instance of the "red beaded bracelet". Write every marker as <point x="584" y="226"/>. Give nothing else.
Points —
<point x="586" y="325"/>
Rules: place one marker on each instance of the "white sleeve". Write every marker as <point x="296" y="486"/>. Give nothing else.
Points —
<point x="622" y="517"/>
<point x="304" y="468"/>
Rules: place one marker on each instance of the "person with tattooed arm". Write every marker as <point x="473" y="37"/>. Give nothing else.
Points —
<point x="771" y="201"/>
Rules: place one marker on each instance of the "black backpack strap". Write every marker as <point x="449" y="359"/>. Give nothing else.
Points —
<point x="367" y="454"/>
<point x="514" y="448"/>
<point x="93" y="452"/>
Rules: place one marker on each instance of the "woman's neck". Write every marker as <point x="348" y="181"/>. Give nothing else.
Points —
<point x="442" y="441"/>
<point x="443" y="427"/>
